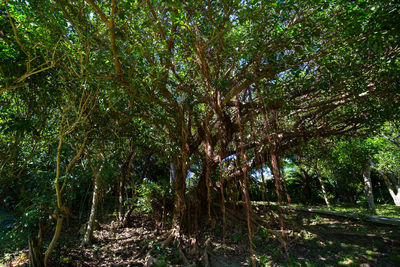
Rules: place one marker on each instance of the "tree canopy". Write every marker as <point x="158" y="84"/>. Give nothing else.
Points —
<point x="163" y="91"/>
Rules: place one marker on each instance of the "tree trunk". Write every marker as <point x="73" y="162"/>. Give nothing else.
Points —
<point x="393" y="185"/>
<point x="366" y="172"/>
<point x="53" y="242"/>
<point x="306" y="187"/>
<point x="276" y="174"/>
<point x="282" y="174"/>
<point x="221" y="181"/>
<point x="278" y="187"/>
<point x="125" y="170"/>
<point x="88" y="238"/>
<point x="395" y="195"/>
<point x="36" y="250"/>
<point x="306" y="182"/>
<point x="208" y="151"/>
<point x="121" y="191"/>
<point x="179" y="192"/>
<point x="180" y="174"/>
<point x="328" y="204"/>
<point x="244" y="185"/>
<point x="171" y="174"/>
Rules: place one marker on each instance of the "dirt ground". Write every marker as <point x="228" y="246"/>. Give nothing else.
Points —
<point x="309" y="240"/>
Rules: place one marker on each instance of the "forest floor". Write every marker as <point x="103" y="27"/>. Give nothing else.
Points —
<point x="310" y="240"/>
<point x="381" y="210"/>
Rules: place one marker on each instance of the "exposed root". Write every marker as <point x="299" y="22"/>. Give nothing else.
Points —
<point x="144" y="248"/>
<point x="278" y="234"/>
<point x="183" y="257"/>
<point x="173" y="234"/>
<point x="206" y="258"/>
<point x="194" y="249"/>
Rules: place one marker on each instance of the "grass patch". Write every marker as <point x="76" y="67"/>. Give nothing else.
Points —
<point x="381" y="210"/>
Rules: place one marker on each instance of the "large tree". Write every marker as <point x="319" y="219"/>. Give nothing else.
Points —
<point x="234" y="81"/>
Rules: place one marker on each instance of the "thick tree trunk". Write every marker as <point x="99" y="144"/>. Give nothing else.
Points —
<point x="201" y="188"/>
<point x="306" y="187"/>
<point x="35" y="252"/>
<point x="366" y="172"/>
<point x="179" y="194"/>
<point x="180" y="174"/>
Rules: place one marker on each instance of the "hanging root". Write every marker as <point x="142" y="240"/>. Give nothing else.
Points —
<point x="258" y="222"/>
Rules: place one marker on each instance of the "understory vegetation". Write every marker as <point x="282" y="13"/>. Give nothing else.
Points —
<point x="159" y="133"/>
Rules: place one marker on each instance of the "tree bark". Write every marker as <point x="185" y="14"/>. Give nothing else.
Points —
<point x="35" y="251"/>
<point x="125" y="170"/>
<point x="395" y="194"/>
<point x="121" y="191"/>
<point x="282" y="174"/>
<point x="306" y="183"/>
<point x="171" y="173"/>
<point x="208" y="150"/>
<point x="366" y="172"/>
<point x="180" y="174"/>
<point x="278" y="187"/>
<point x="179" y="193"/>
<point x="393" y="185"/>
<point x="328" y="204"/>
<point x="221" y="181"/>
<point x="276" y="174"/>
<point x="54" y="240"/>
<point x="244" y="185"/>
<point x="88" y="238"/>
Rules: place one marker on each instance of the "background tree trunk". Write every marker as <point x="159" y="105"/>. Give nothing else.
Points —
<point x="88" y="238"/>
<point x="366" y="172"/>
<point x="35" y="252"/>
<point x="392" y="185"/>
<point x="328" y="204"/>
